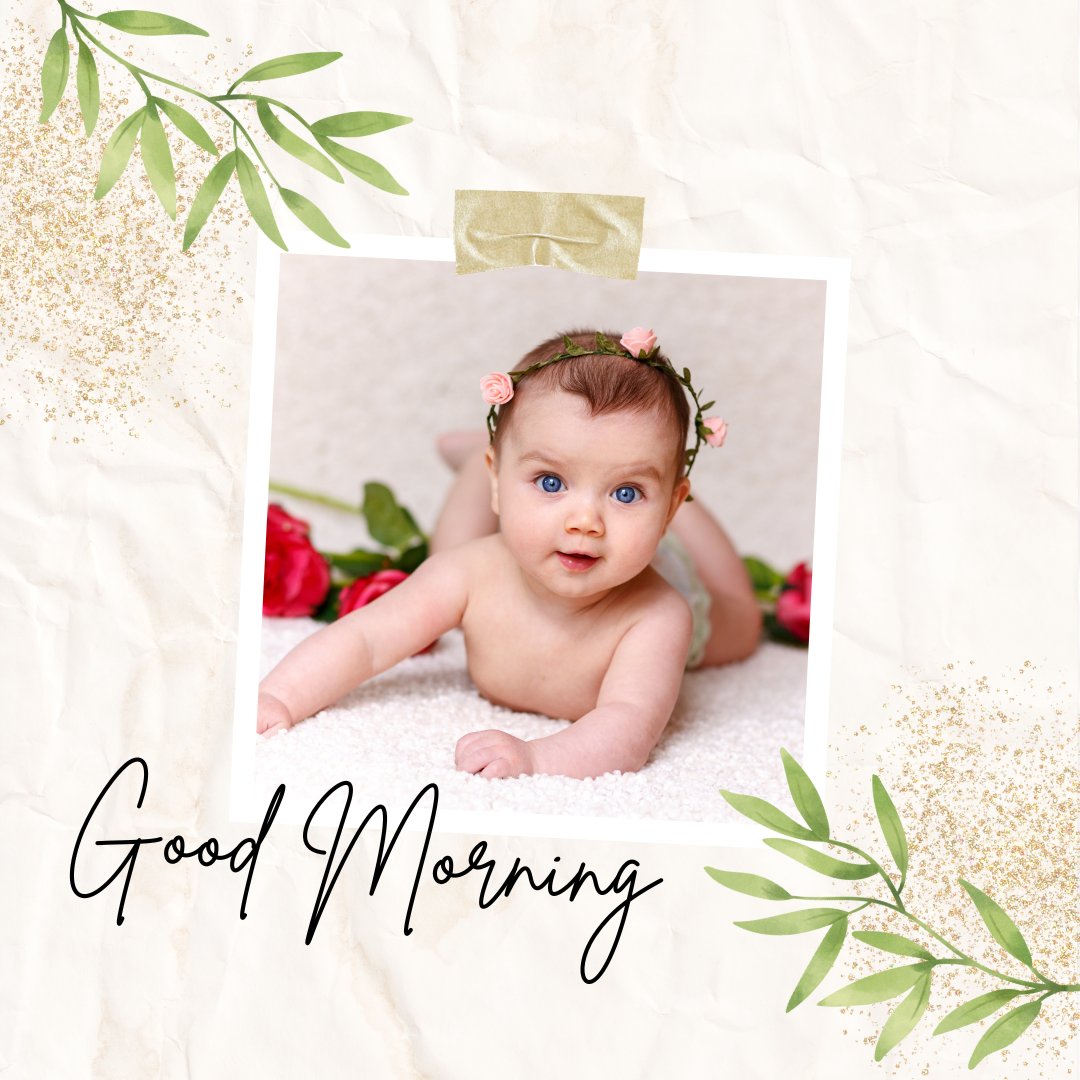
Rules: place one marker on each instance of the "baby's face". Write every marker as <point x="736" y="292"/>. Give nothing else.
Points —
<point x="583" y="500"/>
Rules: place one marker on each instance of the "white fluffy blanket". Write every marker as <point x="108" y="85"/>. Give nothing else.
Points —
<point x="397" y="732"/>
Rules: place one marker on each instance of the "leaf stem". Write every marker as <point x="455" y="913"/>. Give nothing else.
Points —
<point x="315" y="497"/>
<point x="879" y="869"/>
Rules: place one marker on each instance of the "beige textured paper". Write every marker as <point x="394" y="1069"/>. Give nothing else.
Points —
<point x="934" y="148"/>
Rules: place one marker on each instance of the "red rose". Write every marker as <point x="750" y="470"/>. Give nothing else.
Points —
<point x="793" y="604"/>
<point x="365" y="589"/>
<point x="296" y="577"/>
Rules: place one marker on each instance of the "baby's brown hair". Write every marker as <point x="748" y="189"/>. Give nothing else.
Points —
<point x="607" y="383"/>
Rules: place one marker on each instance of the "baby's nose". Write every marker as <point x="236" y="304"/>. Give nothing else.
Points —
<point x="583" y="516"/>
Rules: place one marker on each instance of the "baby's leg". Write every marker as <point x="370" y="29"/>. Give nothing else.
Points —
<point x="466" y="514"/>
<point x="735" y="616"/>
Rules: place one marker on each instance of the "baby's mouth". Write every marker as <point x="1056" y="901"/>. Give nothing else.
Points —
<point x="576" y="560"/>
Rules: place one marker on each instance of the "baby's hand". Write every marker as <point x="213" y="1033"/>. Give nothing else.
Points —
<point x="493" y="753"/>
<point x="274" y="716"/>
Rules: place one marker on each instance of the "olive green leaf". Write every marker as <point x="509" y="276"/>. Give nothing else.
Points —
<point x="54" y="74"/>
<point x="187" y="125"/>
<point x="805" y="796"/>
<point x="354" y="125"/>
<point x="904" y="1017"/>
<point x="293" y="144"/>
<point x="795" y="922"/>
<point x="764" y="813"/>
<point x="604" y="343"/>
<point x="251" y="187"/>
<point x="358" y="563"/>
<point x="207" y="196"/>
<point x="877" y="987"/>
<point x="118" y="151"/>
<point x="892" y="943"/>
<point x="763" y="578"/>
<point x="820" y="964"/>
<point x="1001" y="927"/>
<point x="86" y="82"/>
<point x="891" y="827"/>
<point x="283" y="66"/>
<point x="971" y="1012"/>
<point x="312" y="217"/>
<point x="819" y="861"/>
<point x="1005" y="1030"/>
<point x="157" y="160"/>
<point x="751" y="884"/>
<point x="360" y="165"/>
<point x="412" y="557"/>
<point x="148" y="23"/>
<point x="387" y="521"/>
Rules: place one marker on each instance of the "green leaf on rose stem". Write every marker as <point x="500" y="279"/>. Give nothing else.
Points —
<point x="763" y="577"/>
<point x="819" y="861"/>
<point x="311" y="216"/>
<point x="148" y="22"/>
<point x="388" y="523"/>
<point x="157" y="160"/>
<point x="878" y="987"/>
<point x="971" y="1012"/>
<point x="891" y="826"/>
<point x="187" y="125"/>
<point x="118" y="151"/>
<point x="86" y="83"/>
<point x="904" y="1017"/>
<point x="893" y="943"/>
<point x="358" y="563"/>
<point x="355" y="125"/>
<point x="293" y="144"/>
<point x="750" y="884"/>
<point x="207" y="196"/>
<point x="327" y="611"/>
<point x="281" y="67"/>
<point x="1005" y="1030"/>
<point x="707" y="405"/>
<point x="1001" y="927"/>
<point x="251" y="187"/>
<point x="54" y="74"/>
<point x="794" y="922"/>
<point x="780" y="634"/>
<point x="604" y="343"/>
<point x="764" y="813"/>
<point x="412" y="557"/>
<point x="686" y="375"/>
<point x="820" y="964"/>
<point x="368" y="169"/>
<point x="805" y="796"/>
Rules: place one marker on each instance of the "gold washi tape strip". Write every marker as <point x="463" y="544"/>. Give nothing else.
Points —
<point x="589" y="234"/>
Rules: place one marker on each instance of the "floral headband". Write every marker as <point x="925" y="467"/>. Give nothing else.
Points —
<point x="638" y="344"/>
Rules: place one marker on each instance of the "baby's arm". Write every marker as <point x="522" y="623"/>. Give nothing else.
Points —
<point x="330" y="663"/>
<point x="635" y="703"/>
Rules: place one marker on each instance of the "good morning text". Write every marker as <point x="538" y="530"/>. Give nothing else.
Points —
<point x="332" y="810"/>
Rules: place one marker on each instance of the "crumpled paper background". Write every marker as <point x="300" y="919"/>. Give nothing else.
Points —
<point x="935" y="148"/>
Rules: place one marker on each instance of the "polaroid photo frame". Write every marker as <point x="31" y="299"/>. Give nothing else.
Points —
<point x="375" y="410"/>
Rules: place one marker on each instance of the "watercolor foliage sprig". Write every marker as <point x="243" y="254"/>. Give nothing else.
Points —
<point x="320" y="151"/>
<point x="1026" y="994"/>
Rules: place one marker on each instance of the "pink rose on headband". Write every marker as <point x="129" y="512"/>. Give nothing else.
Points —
<point x="639" y="342"/>
<point x="362" y="591"/>
<point x="793" y="603"/>
<point x="717" y="428"/>
<point x="497" y="388"/>
<point x="296" y="578"/>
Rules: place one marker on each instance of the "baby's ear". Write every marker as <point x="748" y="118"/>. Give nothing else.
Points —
<point x="493" y="473"/>
<point x="678" y="496"/>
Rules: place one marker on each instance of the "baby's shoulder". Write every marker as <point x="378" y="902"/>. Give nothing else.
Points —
<point x="656" y="602"/>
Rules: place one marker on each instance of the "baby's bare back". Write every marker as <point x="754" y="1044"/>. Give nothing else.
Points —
<point x="535" y="655"/>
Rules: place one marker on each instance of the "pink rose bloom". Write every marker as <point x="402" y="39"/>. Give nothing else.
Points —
<point x="497" y="388"/>
<point x="296" y="577"/>
<point x="717" y="430"/>
<point x="362" y="591"/>
<point x="793" y="604"/>
<point x="639" y="342"/>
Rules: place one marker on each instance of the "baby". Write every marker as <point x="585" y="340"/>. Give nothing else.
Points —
<point x="546" y="556"/>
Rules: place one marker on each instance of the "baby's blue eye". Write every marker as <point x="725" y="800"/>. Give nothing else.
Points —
<point x="627" y="494"/>
<point x="549" y="483"/>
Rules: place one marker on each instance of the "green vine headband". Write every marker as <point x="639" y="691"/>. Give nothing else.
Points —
<point x="638" y="344"/>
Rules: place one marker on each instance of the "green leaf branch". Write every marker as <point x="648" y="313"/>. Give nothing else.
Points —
<point x="319" y="150"/>
<point x="912" y="980"/>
